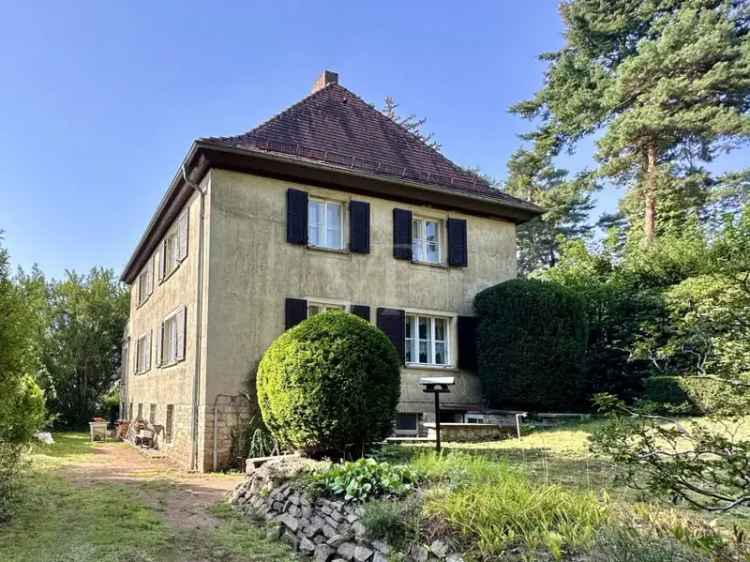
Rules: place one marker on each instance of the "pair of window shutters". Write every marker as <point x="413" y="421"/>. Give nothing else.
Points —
<point x="295" y="311"/>
<point x="181" y="330"/>
<point x="393" y="324"/>
<point x="458" y="255"/>
<point x="182" y="247"/>
<point x="297" y="226"/>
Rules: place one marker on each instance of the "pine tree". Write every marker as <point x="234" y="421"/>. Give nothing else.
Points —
<point x="662" y="81"/>
<point x="411" y="123"/>
<point x="532" y="176"/>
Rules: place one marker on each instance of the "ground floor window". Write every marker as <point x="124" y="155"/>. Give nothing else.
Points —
<point x="314" y="308"/>
<point x="152" y="414"/>
<point x="427" y="340"/>
<point x="169" y="425"/>
<point x="130" y="411"/>
<point x="140" y="411"/>
<point x="407" y="422"/>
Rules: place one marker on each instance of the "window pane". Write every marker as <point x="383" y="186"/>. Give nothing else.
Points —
<point x="431" y="231"/>
<point x="314" y="218"/>
<point x="333" y="225"/>
<point x="440" y="357"/>
<point x="334" y="238"/>
<point x="406" y="422"/>
<point x="407" y="349"/>
<point x="433" y="253"/>
<point x="439" y="329"/>
<point x="312" y="310"/>
<point x="423" y="358"/>
<point x="424" y="328"/>
<point x="415" y="229"/>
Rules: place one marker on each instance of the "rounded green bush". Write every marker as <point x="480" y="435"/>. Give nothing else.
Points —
<point x="330" y="385"/>
<point x="532" y="343"/>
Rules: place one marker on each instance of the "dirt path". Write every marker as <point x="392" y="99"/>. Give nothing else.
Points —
<point x="184" y="498"/>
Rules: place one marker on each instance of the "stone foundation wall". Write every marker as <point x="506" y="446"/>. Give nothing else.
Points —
<point x="324" y="529"/>
<point x="467" y="432"/>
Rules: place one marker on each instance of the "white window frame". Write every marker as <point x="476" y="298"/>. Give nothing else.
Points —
<point x="412" y="340"/>
<point x="145" y="283"/>
<point x="141" y="351"/>
<point x="419" y="243"/>
<point x="171" y="266"/>
<point x="325" y="305"/>
<point x="323" y="226"/>
<point x="169" y="348"/>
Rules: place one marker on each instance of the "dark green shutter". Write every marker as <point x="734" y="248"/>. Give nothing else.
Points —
<point x="295" y="311"/>
<point x="401" y="234"/>
<point x="296" y="216"/>
<point x="467" y="343"/>
<point x="391" y="322"/>
<point x="457" y="246"/>
<point x="361" y="310"/>
<point x="359" y="227"/>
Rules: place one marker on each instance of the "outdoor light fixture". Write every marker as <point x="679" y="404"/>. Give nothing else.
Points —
<point x="437" y="386"/>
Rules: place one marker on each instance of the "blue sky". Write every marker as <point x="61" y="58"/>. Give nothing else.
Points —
<point x="101" y="100"/>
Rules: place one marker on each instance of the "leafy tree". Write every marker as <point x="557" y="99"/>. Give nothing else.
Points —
<point x="663" y="82"/>
<point x="21" y="400"/>
<point x="532" y="176"/>
<point x="87" y="316"/>
<point x="411" y="123"/>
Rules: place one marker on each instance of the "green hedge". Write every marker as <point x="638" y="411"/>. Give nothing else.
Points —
<point x="330" y="385"/>
<point x="532" y="343"/>
<point x="700" y="396"/>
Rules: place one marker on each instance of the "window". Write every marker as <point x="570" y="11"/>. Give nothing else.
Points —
<point x="169" y="340"/>
<point x="143" y="354"/>
<point x="407" y="422"/>
<point x="171" y="343"/>
<point x="145" y="283"/>
<point x="169" y="425"/>
<point x="426" y="340"/>
<point x="425" y="237"/>
<point x="325" y="224"/>
<point x="314" y="308"/>
<point x="140" y="411"/>
<point x="174" y="247"/>
<point x="152" y="414"/>
<point x="171" y="249"/>
<point x="130" y="411"/>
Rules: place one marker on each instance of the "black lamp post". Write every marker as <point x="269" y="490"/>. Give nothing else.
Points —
<point x="437" y="386"/>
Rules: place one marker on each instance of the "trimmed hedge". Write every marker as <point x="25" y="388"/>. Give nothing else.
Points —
<point x="532" y="343"/>
<point x="702" y="396"/>
<point x="330" y="385"/>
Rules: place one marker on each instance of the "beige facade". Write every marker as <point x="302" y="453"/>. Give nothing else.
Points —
<point x="249" y="272"/>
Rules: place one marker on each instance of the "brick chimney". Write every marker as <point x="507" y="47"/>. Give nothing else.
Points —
<point x="326" y="77"/>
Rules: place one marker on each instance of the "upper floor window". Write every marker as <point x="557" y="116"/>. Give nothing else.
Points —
<point x="325" y="220"/>
<point x="174" y="248"/>
<point x="145" y="283"/>
<point x="427" y="340"/>
<point x="426" y="240"/>
<point x="143" y="354"/>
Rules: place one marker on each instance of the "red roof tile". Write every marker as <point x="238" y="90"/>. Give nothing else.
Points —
<point x="335" y="126"/>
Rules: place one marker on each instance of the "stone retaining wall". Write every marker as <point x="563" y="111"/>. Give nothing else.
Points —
<point x="324" y="529"/>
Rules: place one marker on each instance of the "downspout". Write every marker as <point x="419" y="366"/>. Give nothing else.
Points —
<point x="198" y="320"/>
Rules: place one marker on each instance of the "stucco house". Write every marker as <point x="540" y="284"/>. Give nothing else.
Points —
<point x="329" y="204"/>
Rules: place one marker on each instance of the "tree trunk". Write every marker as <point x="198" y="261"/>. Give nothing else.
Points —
<point x="649" y="195"/>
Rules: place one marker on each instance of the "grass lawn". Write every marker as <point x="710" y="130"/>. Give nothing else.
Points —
<point x="559" y="467"/>
<point x="62" y="517"/>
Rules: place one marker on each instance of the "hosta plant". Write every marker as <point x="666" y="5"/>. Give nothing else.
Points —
<point x="365" y="479"/>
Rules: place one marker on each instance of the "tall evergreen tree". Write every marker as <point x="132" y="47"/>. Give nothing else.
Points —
<point x="663" y="81"/>
<point x="411" y="123"/>
<point x="568" y="202"/>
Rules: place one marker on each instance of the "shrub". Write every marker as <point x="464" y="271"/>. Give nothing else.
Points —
<point x="330" y="385"/>
<point x="695" y="396"/>
<point x="366" y="478"/>
<point x="619" y="544"/>
<point x="532" y="340"/>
